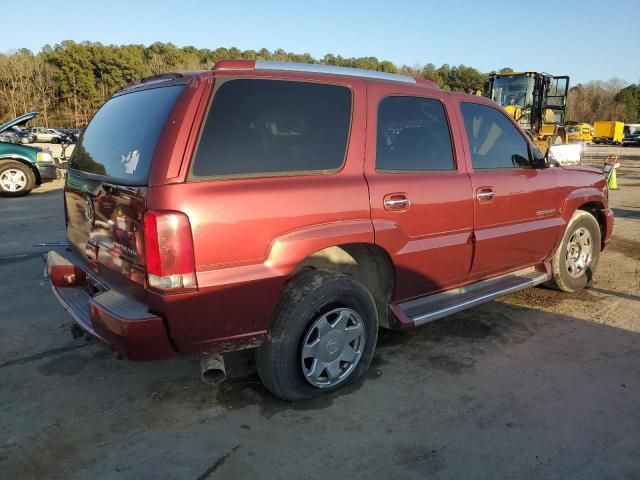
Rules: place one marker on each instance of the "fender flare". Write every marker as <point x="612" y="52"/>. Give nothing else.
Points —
<point x="287" y="251"/>
<point x="573" y="202"/>
<point x="579" y="197"/>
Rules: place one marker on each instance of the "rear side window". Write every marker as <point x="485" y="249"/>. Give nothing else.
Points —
<point x="270" y="127"/>
<point x="493" y="140"/>
<point x="413" y="134"/>
<point x="121" y="139"/>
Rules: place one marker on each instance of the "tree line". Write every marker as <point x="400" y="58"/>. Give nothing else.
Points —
<point x="67" y="82"/>
<point x="604" y="100"/>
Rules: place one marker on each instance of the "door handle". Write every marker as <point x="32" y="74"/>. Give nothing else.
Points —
<point x="484" y="194"/>
<point x="396" y="202"/>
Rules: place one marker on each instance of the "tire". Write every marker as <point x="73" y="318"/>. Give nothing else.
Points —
<point x="16" y="179"/>
<point x="55" y="140"/>
<point x="571" y="271"/>
<point x="312" y="300"/>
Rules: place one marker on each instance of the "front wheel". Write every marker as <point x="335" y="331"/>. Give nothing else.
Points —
<point x="16" y="179"/>
<point x="575" y="261"/>
<point x="323" y="336"/>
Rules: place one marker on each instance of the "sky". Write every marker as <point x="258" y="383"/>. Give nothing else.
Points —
<point x="587" y="40"/>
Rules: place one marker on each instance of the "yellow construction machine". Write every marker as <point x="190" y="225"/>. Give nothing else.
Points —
<point x="537" y="101"/>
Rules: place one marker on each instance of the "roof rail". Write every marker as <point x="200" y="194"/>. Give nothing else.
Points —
<point x="153" y="79"/>
<point x="332" y="70"/>
<point x="318" y="68"/>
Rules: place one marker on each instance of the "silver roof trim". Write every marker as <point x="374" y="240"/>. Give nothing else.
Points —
<point x="332" y="70"/>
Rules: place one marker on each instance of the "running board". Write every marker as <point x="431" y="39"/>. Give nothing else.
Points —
<point x="433" y="307"/>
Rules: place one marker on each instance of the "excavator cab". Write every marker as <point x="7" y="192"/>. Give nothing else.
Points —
<point x="537" y="101"/>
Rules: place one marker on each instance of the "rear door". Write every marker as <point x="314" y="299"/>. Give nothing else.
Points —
<point x="106" y="187"/>
<point x="517" y="207"/>
<point x="420" y="193"/>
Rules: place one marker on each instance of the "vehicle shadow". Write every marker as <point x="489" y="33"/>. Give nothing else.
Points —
<point x="528" y="377"/>
<point x="626" y="213"/>
<point x="626" y="296"/>
<point x="34" y="196"/>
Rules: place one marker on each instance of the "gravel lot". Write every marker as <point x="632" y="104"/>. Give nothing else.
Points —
<point x="56" y="150"/>
<point x="537" y="385"/>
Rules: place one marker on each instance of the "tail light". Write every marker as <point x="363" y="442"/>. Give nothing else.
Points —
<point x="169" y="251"/>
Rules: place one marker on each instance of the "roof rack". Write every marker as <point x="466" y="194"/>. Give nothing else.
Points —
<point x="153" y="79"/>
<point x="332" y="70"/>
<point x="318" y="68"/>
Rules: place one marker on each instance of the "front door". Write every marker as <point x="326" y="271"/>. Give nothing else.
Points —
<point x="421" y="198"/>
<point x="517" y="207"/>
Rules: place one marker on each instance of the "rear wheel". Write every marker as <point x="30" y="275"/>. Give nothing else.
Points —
<point x="16" y="179"/>
<point x="322" y="338"/>
<point x="575" y="261"/>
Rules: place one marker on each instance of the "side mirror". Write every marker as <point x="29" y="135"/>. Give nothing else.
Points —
<point x="561" y="155"/>
<point x="520" y="161"/>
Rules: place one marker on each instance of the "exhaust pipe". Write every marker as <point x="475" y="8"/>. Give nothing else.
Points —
<point x="212" y="369"/>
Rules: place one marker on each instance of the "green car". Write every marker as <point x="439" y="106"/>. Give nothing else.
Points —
<point x="22" y="167"/>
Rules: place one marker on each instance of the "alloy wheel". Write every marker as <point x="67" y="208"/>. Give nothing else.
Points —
<point x="332" y="347"/>
<point x="579" y="252"/>
<point x="13" y="180"/>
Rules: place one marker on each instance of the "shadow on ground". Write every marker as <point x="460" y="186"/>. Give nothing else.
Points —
<point x="549" y="389"/>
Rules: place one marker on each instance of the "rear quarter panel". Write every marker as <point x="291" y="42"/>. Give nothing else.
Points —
<point x="250" y="233"/>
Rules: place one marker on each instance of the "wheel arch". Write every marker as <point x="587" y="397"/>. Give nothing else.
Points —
<point x="589" y="199"/>
<point x="25" y="161"/>
<point x="368" y="263"/>
<point x="596" y="210"/>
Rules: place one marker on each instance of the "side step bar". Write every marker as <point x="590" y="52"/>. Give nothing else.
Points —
<point x="433" y="307"/>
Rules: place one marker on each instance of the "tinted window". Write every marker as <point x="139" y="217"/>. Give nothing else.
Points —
<point x="273" y="126"/>
<point x="121" y="139"/>
<point x="413" y="134"/>
<point x="493" y="140"/>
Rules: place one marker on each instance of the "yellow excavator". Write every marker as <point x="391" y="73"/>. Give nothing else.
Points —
<point x="537" y="101"/>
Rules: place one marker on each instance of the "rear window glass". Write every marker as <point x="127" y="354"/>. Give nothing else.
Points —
<point x="121" y="139"/>
<point x="270" y="127"/>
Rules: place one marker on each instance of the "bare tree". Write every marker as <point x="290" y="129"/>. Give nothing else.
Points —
<point x="44" y="85"/>
<point x="8" y="86"/>
<point x="595" y="101"/>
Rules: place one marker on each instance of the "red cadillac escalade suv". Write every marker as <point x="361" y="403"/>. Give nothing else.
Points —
<point x="298" y="208"/>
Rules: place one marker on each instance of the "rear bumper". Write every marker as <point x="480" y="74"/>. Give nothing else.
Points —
<point x="112" y="318"/>
<point x="608" y="227"/>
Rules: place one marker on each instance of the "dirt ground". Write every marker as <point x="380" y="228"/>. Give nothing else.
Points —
<point x="537" y="385"/>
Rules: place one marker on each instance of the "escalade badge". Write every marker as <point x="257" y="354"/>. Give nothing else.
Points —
<point x="89" y="212"/>
<point x="541" y="213"/>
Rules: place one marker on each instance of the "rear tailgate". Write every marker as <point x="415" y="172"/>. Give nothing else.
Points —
<point x="106" y="187"/>
<point x="105" y="227"/>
